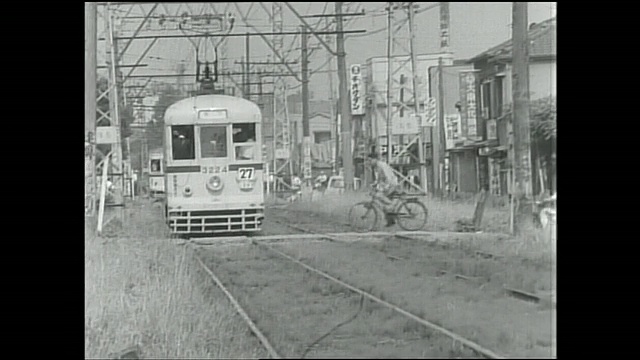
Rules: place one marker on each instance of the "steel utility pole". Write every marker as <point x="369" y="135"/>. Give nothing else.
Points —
<point x="281" y="133"/>
<point x="114" y="108"/>
<point x="345" y="109"/>
<point x="91" y="49"/>
<point x="522" y="140"/>
<point x="306" y="136"/>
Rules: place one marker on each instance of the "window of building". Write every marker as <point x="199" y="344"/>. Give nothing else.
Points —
<point x="321" y="136"/>
<point x="213" y="141"/>
<point x="486" y="100"/>
<point x="497" y="97"/>
<point x="182" y="142"/>
<point x="244" y="141"/>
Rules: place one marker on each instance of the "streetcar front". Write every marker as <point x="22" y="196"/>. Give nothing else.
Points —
<point x="213" y="173"/>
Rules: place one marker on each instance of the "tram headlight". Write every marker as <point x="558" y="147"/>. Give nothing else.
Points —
<point x="215" y="183"/>
<point x="187" y="191"/>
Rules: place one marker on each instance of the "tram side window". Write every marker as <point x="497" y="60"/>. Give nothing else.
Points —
<point x="182" y="142"/>
<point x="213" y="141"/>
<point x="244" y="141"/>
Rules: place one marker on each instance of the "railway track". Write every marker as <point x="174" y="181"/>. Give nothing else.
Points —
<point x="459" y="261"/>
<point x="234" y="277"/>
<point x="458" y="246"/>
<point x="281" y="277"/>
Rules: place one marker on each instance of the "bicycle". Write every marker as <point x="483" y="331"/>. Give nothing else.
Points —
<point x="408" y="208"/>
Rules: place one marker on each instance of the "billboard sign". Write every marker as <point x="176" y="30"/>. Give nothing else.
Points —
<point x="357" y="93"/>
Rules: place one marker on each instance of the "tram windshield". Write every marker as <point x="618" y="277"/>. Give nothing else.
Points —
<point x="182" y="142"/>
<point x="244" y="141"/>
<point x="213" y="141"/>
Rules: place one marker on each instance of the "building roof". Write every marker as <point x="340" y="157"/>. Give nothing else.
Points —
<point x="543" y="43"/>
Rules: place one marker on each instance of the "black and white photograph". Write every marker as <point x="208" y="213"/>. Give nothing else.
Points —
<point x="320" y="180"/>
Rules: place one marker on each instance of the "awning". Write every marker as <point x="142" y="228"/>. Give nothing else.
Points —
<point x="471" y="145"/>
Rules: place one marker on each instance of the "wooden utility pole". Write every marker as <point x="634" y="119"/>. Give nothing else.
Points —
<point x="306" y="136"/>
<point x="345" y="109"/>
<point x="521" y="133"/>
<point x="332" y="111"/>
<point x="90" y="68"/>
<point x="437" y="129"/>
<point x="416" y="92"/>
<point x="389" y="81"/>
<point x="247" y="87"/>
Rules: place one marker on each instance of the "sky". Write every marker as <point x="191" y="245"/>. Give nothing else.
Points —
<point x="474" y="28"/>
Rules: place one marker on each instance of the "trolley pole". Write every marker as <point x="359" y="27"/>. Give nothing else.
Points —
<point x="345" y="109"/>
<point x="90" y="68"/>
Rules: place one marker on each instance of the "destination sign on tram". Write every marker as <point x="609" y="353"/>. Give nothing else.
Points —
<point x="212" y="114"/>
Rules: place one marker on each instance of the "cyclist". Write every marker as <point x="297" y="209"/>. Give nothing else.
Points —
<point x="386" y="185"/>
<point x="321" y="181"/>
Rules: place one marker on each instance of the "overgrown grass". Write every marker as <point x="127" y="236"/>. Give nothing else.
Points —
<point x="477" y="310"/>
<point x="141" y="290"/>
<point x="443" y="214"/>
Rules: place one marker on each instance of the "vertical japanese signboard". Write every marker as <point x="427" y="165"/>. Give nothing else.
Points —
<point x="431" y="112"/>
<point x="357" y="93"/>
<point x="306" y="162"/>
<point x="468" y="101"/>
<point x="453" y="130"/>
<point x="492" y="130"/>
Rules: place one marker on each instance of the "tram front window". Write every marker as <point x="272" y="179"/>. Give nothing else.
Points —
<point x="244" y="141"/>
<point x="213" y="141"/>
<point x="182" y="142"/>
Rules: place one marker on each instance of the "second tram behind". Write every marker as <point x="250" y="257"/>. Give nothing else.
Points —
<point x="214" y="165"/>
<point x="156" y="173"/>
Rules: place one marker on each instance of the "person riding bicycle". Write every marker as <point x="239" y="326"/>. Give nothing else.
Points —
<point x="321" y="180"/>
<point x="386" y="185"/>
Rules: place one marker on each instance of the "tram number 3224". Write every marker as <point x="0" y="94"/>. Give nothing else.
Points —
<point x="214" y="169"/>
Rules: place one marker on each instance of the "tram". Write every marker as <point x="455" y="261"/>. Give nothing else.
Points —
<point x="156" y="172"/>
<point x="214" y="165"/>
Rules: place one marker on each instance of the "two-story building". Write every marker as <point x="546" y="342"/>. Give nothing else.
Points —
<point x="494" y="71"/>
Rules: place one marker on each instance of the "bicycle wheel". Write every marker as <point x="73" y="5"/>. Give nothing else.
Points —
<point x="412" y="215"/>
<point x="363" y="216"/>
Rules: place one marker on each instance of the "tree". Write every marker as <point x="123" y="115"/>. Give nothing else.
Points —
<point x="543" y="122"/>
<point x="167" y="96"/>
<point x="543" y="138"/>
